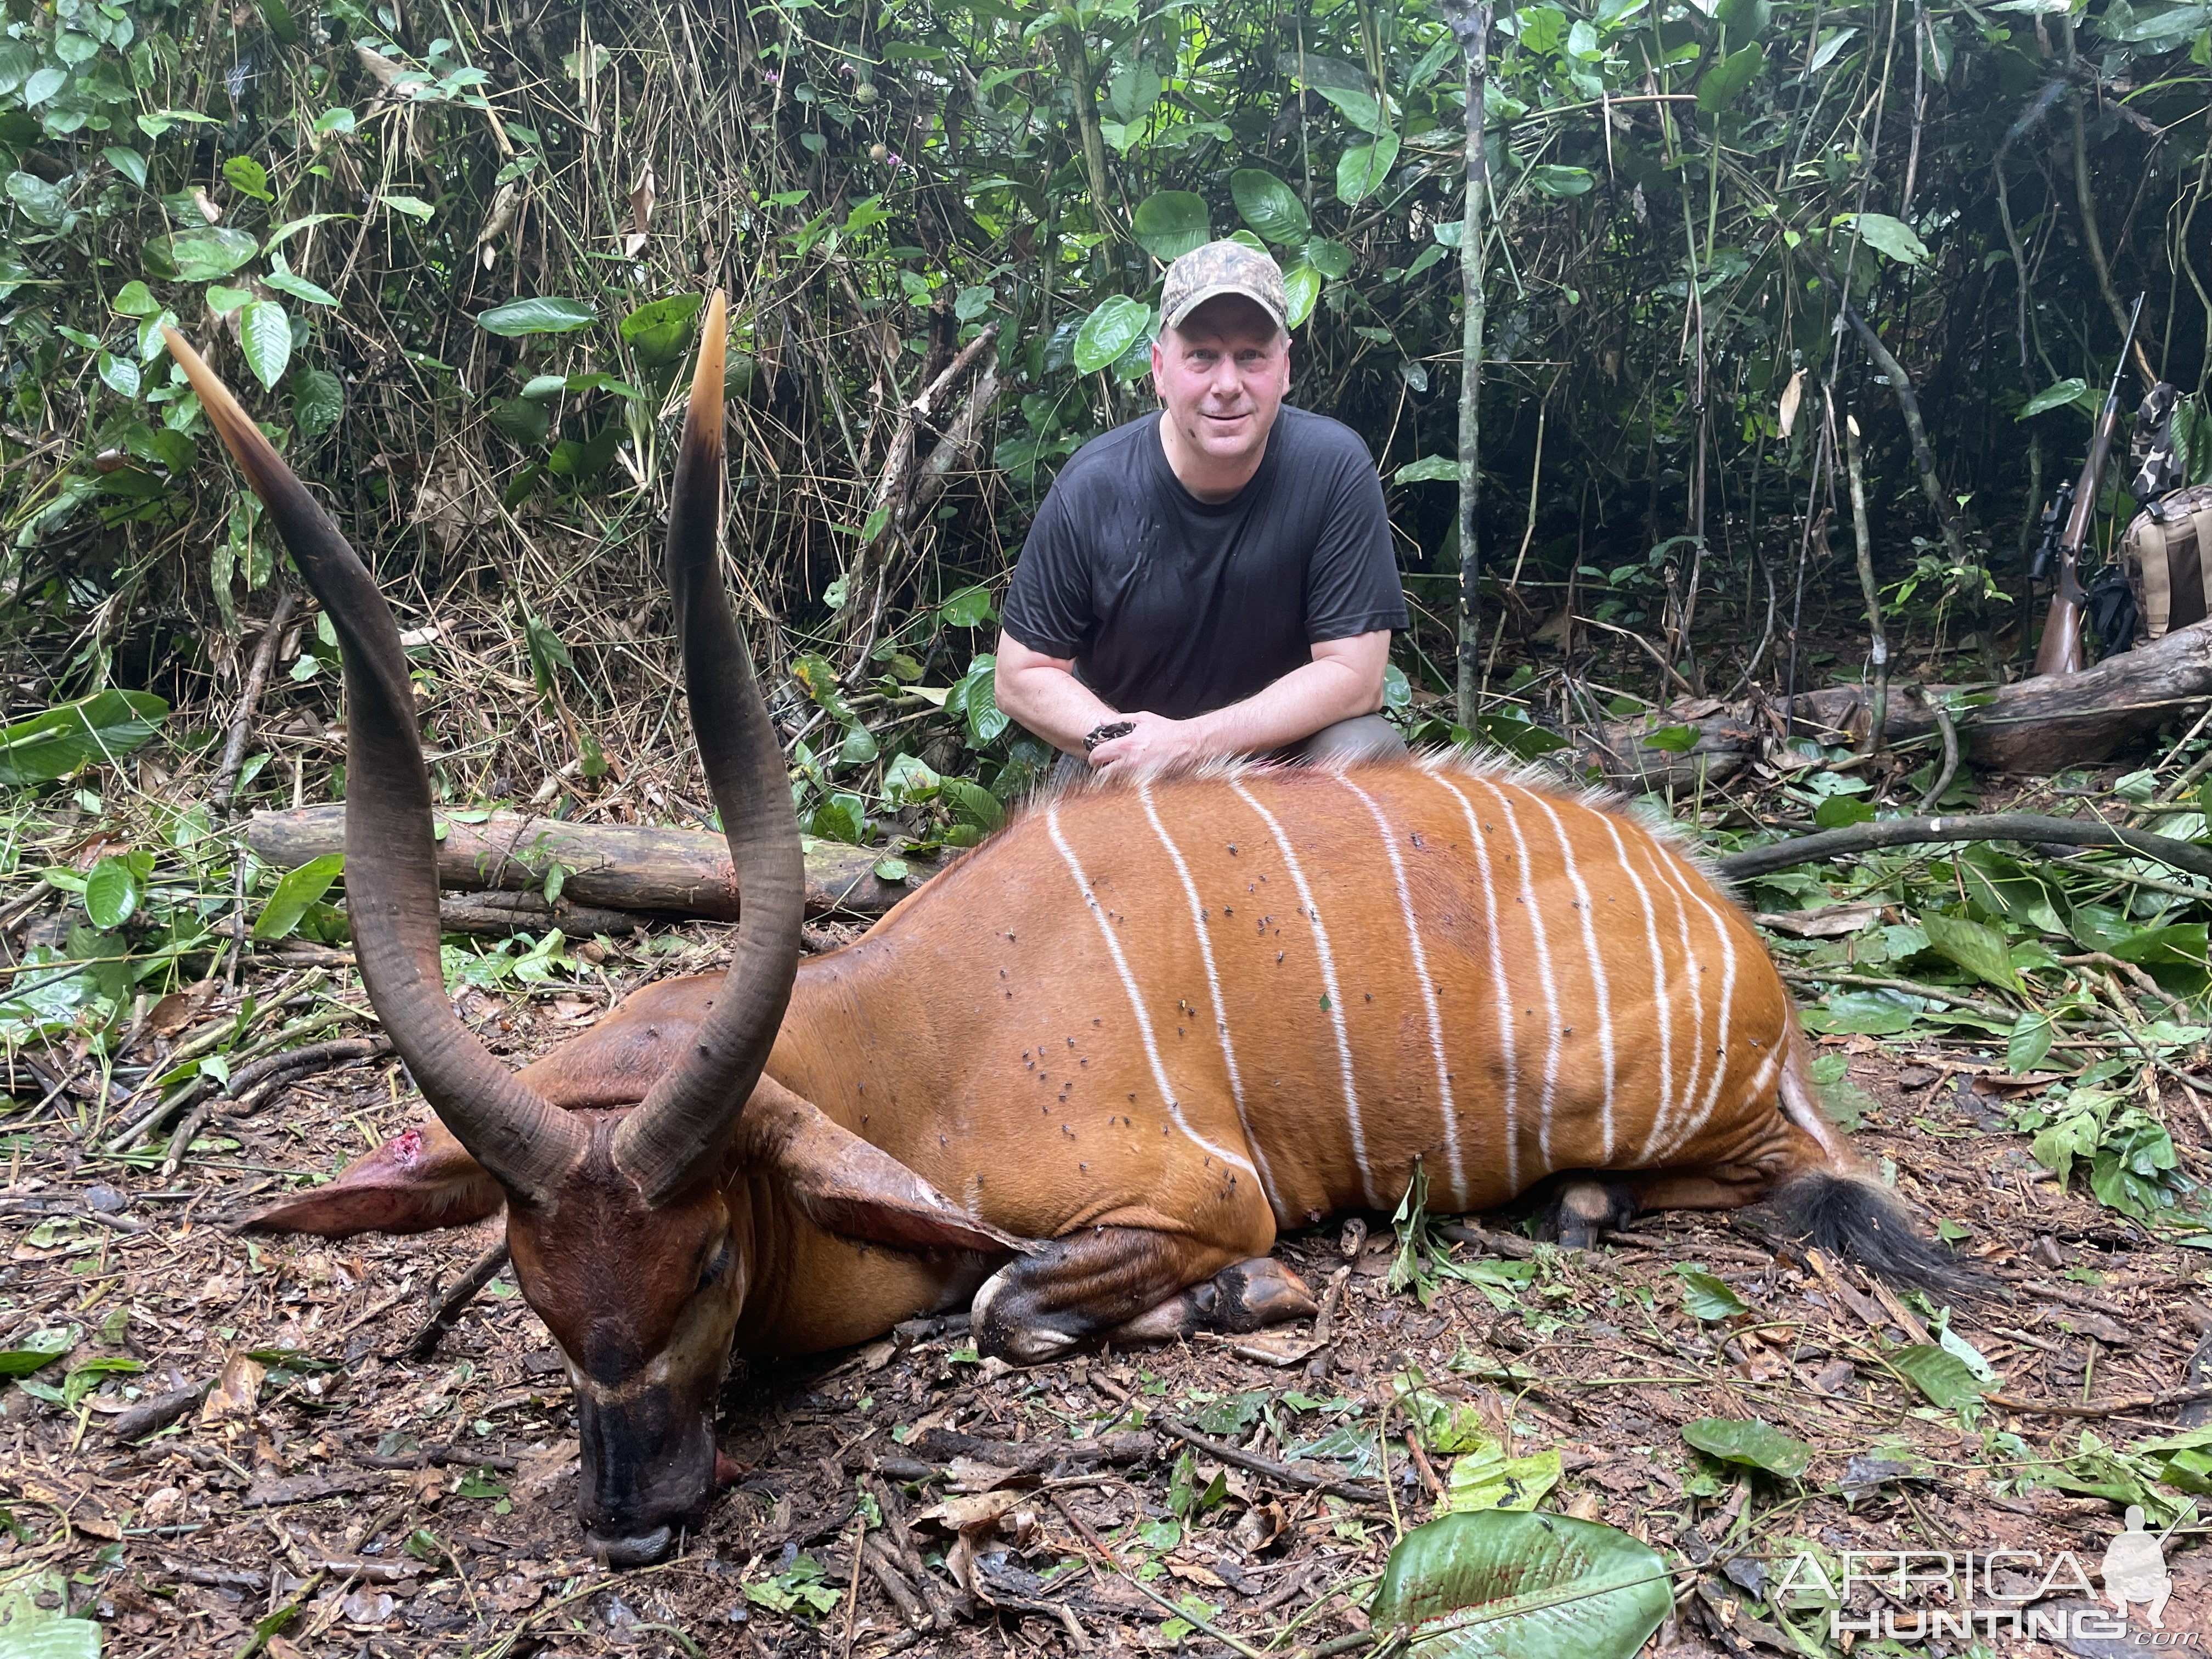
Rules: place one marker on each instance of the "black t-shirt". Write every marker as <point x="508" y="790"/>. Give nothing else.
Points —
<point x="1180" y="606"/>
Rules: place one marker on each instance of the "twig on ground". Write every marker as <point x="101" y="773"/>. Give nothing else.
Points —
<point x="249" y="698"/>
<point x="2031" y="827"/>
<point x="481" y="1272"/>
<point x="1236" y="1456"/>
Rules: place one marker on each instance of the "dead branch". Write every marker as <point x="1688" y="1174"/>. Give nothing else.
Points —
<point x="2030" y="827"/>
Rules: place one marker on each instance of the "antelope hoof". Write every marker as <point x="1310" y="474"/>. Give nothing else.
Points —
<point x="1585" y="1208"/>
<point x="640" y="1552"/>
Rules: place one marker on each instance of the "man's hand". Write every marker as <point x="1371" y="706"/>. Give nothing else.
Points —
<point x="1154" y="744"/>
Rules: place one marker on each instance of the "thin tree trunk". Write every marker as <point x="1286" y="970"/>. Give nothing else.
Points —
<point x="1075" y="65"/>
<point x="1879" y="652"/>
<point x="1470" y="25"/>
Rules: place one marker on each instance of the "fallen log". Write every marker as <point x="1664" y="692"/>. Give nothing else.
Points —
<point x="626" y="867"/>
<point x="2032" y="828"/>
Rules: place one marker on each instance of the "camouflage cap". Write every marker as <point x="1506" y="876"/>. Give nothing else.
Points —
<point x="1218" y="267"/>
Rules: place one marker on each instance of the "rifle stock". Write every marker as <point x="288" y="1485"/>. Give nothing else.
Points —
<point x="2060" y="650"/>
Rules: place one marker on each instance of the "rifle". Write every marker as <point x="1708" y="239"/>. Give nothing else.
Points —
<point x="2066" y="531"/>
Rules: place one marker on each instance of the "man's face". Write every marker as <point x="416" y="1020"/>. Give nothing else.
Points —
<point x="1222" y="375"/>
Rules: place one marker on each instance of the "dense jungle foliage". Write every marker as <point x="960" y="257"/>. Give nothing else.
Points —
<point x="460" y="251"/>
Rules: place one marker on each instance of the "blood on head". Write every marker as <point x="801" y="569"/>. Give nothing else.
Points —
<point x="407" y="1147"/>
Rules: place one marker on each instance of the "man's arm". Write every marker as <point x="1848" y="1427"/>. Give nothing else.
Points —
<point x="1042" y="693"/>
<point x="1344" y="679"/>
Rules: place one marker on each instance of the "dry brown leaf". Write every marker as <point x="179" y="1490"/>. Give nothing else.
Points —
<point x="641" y="197"/>
<point x="1792" y="395"/>
<point x="1259" y="1527"/>
<point x="976" y="1512"/>
<point x="971" y="1474"/>
<point x="236" y="1391"/>
<point x="1829" y="921"/>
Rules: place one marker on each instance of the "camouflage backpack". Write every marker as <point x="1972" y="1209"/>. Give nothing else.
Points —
<point x="2167" y="549"/>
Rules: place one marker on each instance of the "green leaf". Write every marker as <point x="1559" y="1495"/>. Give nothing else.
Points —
<point x="1549" y="179"/>
<point x="525" y="421"/>
<point x="39" y="1349"/>
<point x="118" y="374"/>
<point x="1118" y="324"/>
<point x="112" y="893"/>
<point x="42" y="204"/>
<point x="1725" y="81"/>
<point x="298" y="889"/>
<point x="40" y="1637"/>
<point x="657" y="332"/>
<point x="1885" y="235"/>
<point x="1362" y="169"/>
<point x="1940" y="1374"/>
<point x="2073" y="390"/>
<point x="1332" y="260"/>
<point x="1430" y="469"/>
<point x="318" y="400"/>
<point x="972" y="803"/>
<point x="968" y="608"/>
<point x="544" y="315"/>
<point x="1707" y="1297"/>
<point x="264" y="335"/>
<point x="285" y="280"/>
<point x="104" y="727"/>
<point x="1301" y="289"/>
<point x="134" y="299"/>
<point x="1170" y="223"/>
<point x="210" y="255"/>
<point x="891" y="870"/>
<point x="2029" y="1042"/>
<point x="907" y="780"/>
<point x="1359" y="107"/>
<point x="413" y="206"/>
<point x="127" y="163"/>
<point x="1979" y="950"/>
<point x="1675" y="739"/>
<point x="248" y="177"/>
<point x="1835" y="812"/>
<point x="1744" y="20"/>
<point x="1485" y="1479"/>
<point x="1270" y="206"/>
<point x="1751" y="1443"/>
<point x="1523" y="1584"/>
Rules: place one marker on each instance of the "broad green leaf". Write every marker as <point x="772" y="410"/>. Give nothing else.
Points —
<point x="298" y="889"/>
<point x="971" y="803"/>
<point x="1675" y="739"/>
<point x="1332" y="260"/>
<point x="118" y="374"/>
<point x="528" y="423"/>
<point x="413" y="206"/>
<point x="1430" y="469"/>
<point x="840" y="818"/>
<point x="112" y="893"/>
<point x="657" y="332"/>
<point x="210" y="254"/>
<point x="41" y="202"/>
<point x="127" y="163"/>
<point x="264" y="335"/>
<point x="2029" y="1042"/>
<point x="1938" y="1373"/>
<point x="1873" y="1013"/>
<point x="1550" y="178"/>
<point x="1118" y="324"/>
<point x="907" y="780"/>
<point x="2072" y="390"/>
<point x="1523" y="1584"/>
<point x="248" y="177"/>
<point x="1744" y="20"/>
<point x="1270" y="206"/>
<point x="1301" y="289"/>
<point x="1486" y="1479"/>
<point x="1835" y="812"/>
<point x="1980" y="950"/>
<point x="1361" y="170"/>
<point x="1752" y="1442"/>
<point x="285" y="280"/>
<point x="1892" y="237"/>
<point x="1358" y="107"/>
<point x="1708" y="1296"/>
<point x="542" y="315"/>
<point x="1170" y="223"/>
<point x="104" y="727"/>
<point x="1725" y="81"/>
<point x="39" y="1349"/>
<point x="318" y="400"/>
<point x="134" y="299"/>
<point x="968" y="608"/>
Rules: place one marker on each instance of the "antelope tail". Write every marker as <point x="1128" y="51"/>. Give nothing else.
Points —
<point x="1836" y="1206"/>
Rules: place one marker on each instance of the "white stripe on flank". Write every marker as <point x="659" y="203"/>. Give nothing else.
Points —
<point x="1544" y="972"/>
<point x="1213" y="984"/>
<point x="1693" y="977"/>
<point x="1690" y="883"/>
<point x="1328" y="987"/>
<point x="1428" y="994"/>
<point x="1597" y="971"/>
<point x="1136" y="1000"/>
<point x="1659" y="1001"/>
<point x="1500" y="988"/>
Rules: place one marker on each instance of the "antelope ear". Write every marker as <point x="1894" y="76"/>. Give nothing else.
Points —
<point x="414" y="1182"/>
<point x="846" y="1186"/>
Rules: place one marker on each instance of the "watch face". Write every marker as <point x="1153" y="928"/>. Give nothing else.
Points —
<point x="1107" y="733"/>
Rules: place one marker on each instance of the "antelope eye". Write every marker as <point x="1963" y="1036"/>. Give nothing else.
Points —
<point x="717" y="1264"/>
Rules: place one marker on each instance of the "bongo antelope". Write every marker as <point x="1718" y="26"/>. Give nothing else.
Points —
<point x="1085" y="1077"/>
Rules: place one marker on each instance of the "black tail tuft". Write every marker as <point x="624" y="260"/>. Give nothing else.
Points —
<point x="1854" y="1218"/>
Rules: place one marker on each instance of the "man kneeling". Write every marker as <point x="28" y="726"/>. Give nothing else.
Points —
<point x="1215" y="578"/>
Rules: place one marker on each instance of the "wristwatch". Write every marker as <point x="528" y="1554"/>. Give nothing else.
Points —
<point x="1106" y="732"/>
